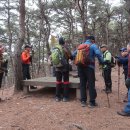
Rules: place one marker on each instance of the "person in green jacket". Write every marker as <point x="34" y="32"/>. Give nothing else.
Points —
<point x="107" y="68"/>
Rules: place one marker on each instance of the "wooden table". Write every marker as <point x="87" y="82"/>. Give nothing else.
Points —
<point x="49" y="82"/>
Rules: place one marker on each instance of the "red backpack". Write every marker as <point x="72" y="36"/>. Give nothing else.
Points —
<point x="82" y="58"/>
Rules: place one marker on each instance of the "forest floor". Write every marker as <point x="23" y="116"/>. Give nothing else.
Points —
<point x="39" y="111"/>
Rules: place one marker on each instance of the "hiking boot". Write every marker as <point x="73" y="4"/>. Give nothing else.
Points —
<point x="83" y="104"/>
<point x="57" y="99"/>
<point x="32" y="87"/>
<point x="126" y="98"/>
<point x="104" y="90"/>
<point x="65" y="99"/>
<point x="92" y="105"/>
<point x="108" y="91"/>
<point x="122" y="113"/>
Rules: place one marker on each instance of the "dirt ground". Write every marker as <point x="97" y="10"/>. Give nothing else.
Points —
<point x="39" y="111"/>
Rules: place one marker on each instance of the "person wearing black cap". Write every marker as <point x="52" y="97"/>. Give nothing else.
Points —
<point x="123" y="60"/>
<point x="26" y="61"/>
<point x="87" y="74"/>
<point x="63" y="72"/>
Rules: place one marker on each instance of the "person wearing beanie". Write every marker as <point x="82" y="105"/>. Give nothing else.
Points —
<point x="62" y="72"/>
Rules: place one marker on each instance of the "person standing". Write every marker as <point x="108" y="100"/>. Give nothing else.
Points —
<point x="87" y="74"/>
<point x="107" y="68"/>
<point x="26" y="61"/>
<point x="62" y="72"/>
<point x="123" y="60"/>
<point x="126" y="110"/>
<point x="2" y="63"/>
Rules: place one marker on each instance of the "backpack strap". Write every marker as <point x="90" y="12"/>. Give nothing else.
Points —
<point x="105" y="53"/>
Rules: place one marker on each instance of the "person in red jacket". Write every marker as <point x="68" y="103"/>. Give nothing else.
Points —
<point x="126" y="110"/>
<point x="26" y="61"/>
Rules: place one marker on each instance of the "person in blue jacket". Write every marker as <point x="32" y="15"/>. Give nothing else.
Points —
<point x="126" y="110"/>
<point x="123" y="60"/>
<point x="87" y="74"/>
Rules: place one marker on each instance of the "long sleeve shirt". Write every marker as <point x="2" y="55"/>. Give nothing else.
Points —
<point x="129" y="66"/>
<point x="25" y="57"/>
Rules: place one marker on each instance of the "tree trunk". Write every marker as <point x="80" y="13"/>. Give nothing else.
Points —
<point x="82" y="7"/>
<point x="17" y="58"/>
<point x="10" y="35"/>
<point x="128" y="10"/>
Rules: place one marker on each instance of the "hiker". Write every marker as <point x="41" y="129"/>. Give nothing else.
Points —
<point x="3" y="62"/>
<point x="106" y="68"/>
<point x="26" y="61"/>
<point x="123" y="60"/>
<point x="61" y="69"/>
<point x="87" y="73"/>
<point x="126" y="110"/>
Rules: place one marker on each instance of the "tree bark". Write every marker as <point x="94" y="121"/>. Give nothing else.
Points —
<point x="128" y="10"/>
<point x="17" y="58"/>
<point x="82" y="8"/>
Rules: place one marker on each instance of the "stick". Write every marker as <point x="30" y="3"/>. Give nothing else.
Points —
<point x="118" y="83"/>
<point x="108" y="100"/>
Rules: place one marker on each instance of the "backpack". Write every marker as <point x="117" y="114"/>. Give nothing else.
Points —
<point x="82" y="58"/>
<point x="58" y="56"/>
<point x="113" y="60"/>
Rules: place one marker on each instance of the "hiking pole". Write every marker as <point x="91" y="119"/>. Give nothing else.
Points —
<point x="108" y="100"/>
<point x="32" y="69"/>
<point x="118" y="82"/>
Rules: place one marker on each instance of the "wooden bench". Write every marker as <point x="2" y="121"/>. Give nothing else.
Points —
<point x="49" y="82"/>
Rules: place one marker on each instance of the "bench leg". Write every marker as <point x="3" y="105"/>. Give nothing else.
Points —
<point x="78" y="93"/>
<point x="26" y="89"/>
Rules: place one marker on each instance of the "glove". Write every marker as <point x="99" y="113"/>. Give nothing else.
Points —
<point x="127" y="82"/>
<point x="117" y="57"/>
<point x="100" y="66"/>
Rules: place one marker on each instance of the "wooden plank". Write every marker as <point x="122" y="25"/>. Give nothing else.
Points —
<point x="49" y="82"/>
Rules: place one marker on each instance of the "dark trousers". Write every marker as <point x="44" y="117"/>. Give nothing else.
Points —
<point x="1" y="77"/>
<point x="65" y="76"/>
<point x="107" y="78"/>
<point x="26" y="71"/>
<point x="126" y="74"/>
<point x="87" y="77"/>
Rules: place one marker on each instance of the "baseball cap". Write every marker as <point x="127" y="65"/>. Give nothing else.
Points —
<point x="27" y="46"/>
<point x="123" y="49"/>
<point x="103" y="45"/>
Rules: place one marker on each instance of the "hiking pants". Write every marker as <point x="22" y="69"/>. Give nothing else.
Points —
<point x="26" y="71"/>
<point x="126" y="74"/>
<point x="1" y="77"/>
<point x="127" y="107"/>
<point x="65" y="76"/>
<point x="107" y="78"/>
<point x="87" y="77"/>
